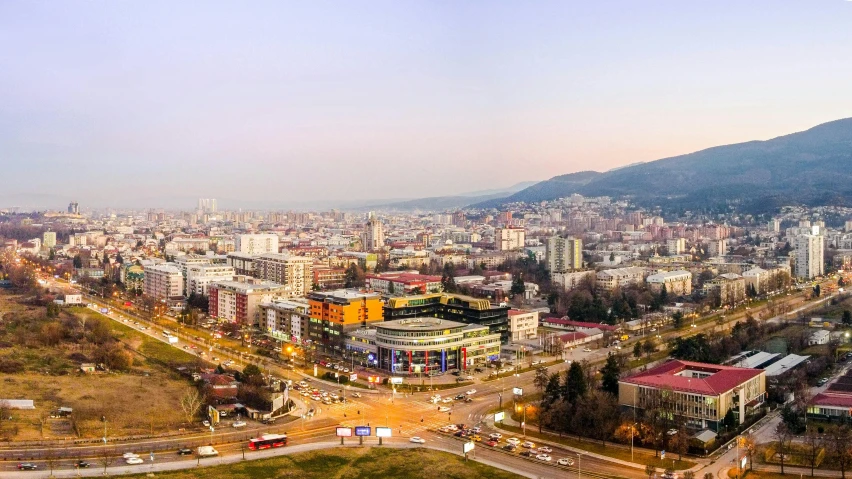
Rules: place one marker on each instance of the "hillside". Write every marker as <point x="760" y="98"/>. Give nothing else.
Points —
<point x="441" y="203"/>
<point x="811" y="167"/>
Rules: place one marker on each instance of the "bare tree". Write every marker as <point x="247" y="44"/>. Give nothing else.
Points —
<point x="840" y="443"/>
<point x="650" y="470"/>
<point x="689" y="475"/>
<point x="783" y="436"/>
<point x="190" y="403"/>
<point x="105" y="458"/>
<point x="813" y="446"/>
<point x="750" y="447"/>
<point x="51" y="459"/>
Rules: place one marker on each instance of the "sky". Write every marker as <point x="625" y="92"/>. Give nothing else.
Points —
<point x="155" y="103"/>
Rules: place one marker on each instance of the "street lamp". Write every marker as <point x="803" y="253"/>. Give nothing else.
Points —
<point x="632" y="434"/>
<point x="579" y="465"/>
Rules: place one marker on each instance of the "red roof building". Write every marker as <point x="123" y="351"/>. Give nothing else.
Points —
<point x="699" y="393"/>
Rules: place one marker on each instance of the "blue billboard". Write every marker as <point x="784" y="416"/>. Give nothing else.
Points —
<point x="362" y="430"/>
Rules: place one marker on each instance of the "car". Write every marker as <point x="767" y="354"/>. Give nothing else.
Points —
<point x="444" y="409"/>
<point x="134" y="460"/>
<point x="669" y="476"/>
<point x="239" y="424"/>
<point x="513" y="441"/>
<point x="185" y="451"/>
<point x="27" y="466"/>
<point x="460" y="397"/>
<point x="471" y="392"/>
<point x="476" y="429"/>
<point x="528" y="445"/>
<point x="671" y="432"/>
<point x="82" y="464"/>
<point x="544" y="457"/>
<point x="355" y="395"/>
<point x="447" y="400"/>
<point x="509" y="447"/>
<point x="653" y="330"/>
<point x="468" y="399"/>
<point x="452" y="427"/>
<point x="496" y="436"/>
<point x="460" y="434"/>
<point x="491" y="443"/>
<point x="544" y="449"/>
<point x="128" y="455"/>
<point x="587" y="350"/>
<point x="417" y="440"/>
<point x="565" y="461"/>
<point x="476" y="437"/>
<point x="215" y="358"/>
<point x="527" y="454"/>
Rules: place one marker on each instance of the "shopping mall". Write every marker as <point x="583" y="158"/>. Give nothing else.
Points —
<point x="421" y="345"/>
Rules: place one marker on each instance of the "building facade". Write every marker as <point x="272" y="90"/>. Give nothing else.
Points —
<point x="452" y="307"/>
<point x="237" y="300"/>
<point x="286" y="320"/>
<point x="677" y="283"/>
<point x="509" y="239"/>
<point x="399" y="283"/>
<point x="563" y="254"/>
<point x="260" y="243"/>
<point x="373" y="237"/>
<point x="163" y="281"/>
<point x="810" y="256"/>
<point x="610" y="279"/>
<point x="334" y="312"/>
<point x="421" y="345"/>
<point x="199" y="277"/>
<point x="523" y="325"/>
<point x="295" y="272"/>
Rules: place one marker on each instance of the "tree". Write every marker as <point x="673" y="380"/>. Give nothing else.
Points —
<point x="840" y="443"/>
<point x="817" y="291"/>
<point x="518" y="286"/>
<point x="750" y="448"/>
<point x="575" y="383"/>
<point x="783" y="436"/>
<point x="841" y="282"/>
<point x="688" y="474"/>
<point x="648" y="347"/>
<point x="610" y="374"/>
<point x="847" y="318"/>
<point x="729" y="420"/>
<point x="190" y="403"/>
<point x="813" y="446"/>
<point x="552" y="391"/>
<point x="353" y="277"/>
<point x="637" y="350"/>
<point x="650" y="470"/>
<point x="390" y="287"/>
<point x="78" y="261"/>
<point x="664" y="295"/>
<point x="541" y="378"/>
<point x="677" y="319"/>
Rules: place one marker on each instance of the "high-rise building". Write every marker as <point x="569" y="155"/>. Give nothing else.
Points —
<point x="49" y="240"/>
<point x="163" y="281"/>
<point x="238" y="300"/>
<point x="294" y="272"/>
<point x="207" y="205"/>
<point x="73" y="208"/>
<point x="199" y="277"/>
<point x="563" y="254"/>
<point x="508" y="239"/>
<point x="810" y="256"/>
<point x="335" y="312"/>
<point x="373" y="237"/>
<point x="256" y="243"/>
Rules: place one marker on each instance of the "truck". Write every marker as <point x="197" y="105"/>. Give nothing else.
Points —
<point x="207" y="451"/>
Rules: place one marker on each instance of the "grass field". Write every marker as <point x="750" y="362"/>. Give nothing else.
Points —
<point x="349" y="463"/>
<point x="139" y="401"/>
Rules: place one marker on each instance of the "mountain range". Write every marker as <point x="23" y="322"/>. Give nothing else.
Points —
<point x="812" y="167"/>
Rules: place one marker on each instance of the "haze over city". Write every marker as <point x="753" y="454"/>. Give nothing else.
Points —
<point x="284" y="103"/>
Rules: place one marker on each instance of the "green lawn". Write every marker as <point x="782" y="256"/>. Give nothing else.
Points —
<point x="150" y="347"/>
<point x="349" y="463"/>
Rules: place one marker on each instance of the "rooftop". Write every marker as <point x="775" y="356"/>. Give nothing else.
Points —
<point x="671" y="375"/>
<point x="421" y="324"/>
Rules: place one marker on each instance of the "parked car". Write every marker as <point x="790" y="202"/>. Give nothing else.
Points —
<point x="239" y="424"/>
<point x="587" y="350"/>
<point x="444" y="409"/>
<point x="128" y="455"/>
<point x="355" y="395"/>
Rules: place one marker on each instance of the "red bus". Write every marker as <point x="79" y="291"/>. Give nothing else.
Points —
<point x="267" y="441"/>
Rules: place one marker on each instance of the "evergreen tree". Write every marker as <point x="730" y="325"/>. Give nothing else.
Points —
<point x="847" y="318"/>
<point x="610" y="374"/>
<point x="575" y="385"/>
<point x="664" y="296"/>
<point x="637" y="350"/>
<point x="391" y="289"/>
<point x="518" y="286"/>
<point x="78" y="261"/>
<point x="677" y="319"/>
<point x="553" y="390"/>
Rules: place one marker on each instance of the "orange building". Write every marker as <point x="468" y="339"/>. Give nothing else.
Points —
<point x="333" y="312"/>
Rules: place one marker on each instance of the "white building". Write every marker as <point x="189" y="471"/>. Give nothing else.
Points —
<point x="260" y="243"/>
<point x="717" y="247"/>
<point x="508" y="239"/>
<point x="49" y="239"/>
<point x="757" y="278"/>
<point x="163" y="281"/>
<point x="373" y="237"/>
<point x="611" y="279"/>
<point x="571" y="279"/>
<point x="678" y="283"/>
<point x="676" y="246"/>
<point x="810" y="257"/>
<point x="523" y="324"/>
<point x="563" y="254"/>
<point x="199" y="277"/>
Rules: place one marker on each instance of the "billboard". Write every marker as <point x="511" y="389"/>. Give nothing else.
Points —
<point x="213" y="414"/>
<point x="383" y="432"/>
<point x="353" y="377"/>
<point x="498" y="416"/>
<point x="518" y="391"/>
<point x="396" y="380"/>
<point x="468" y="446"/>
<point x="362" y="430"/>
<point x="344" y="432"/>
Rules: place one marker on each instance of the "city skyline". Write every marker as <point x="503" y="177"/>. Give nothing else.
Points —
<point x="287" y="104"/>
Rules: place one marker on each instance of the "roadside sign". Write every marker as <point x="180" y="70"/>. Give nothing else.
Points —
<point x="396" y="380"/>
<point x="662" y="454"/>
<point x="344" y="432"/>
<point x="498" y="416"/>
<point x="353" y="377"/>
<point x="518" y="391"/>
<point x="384" y="432"/>
<point x="468" y="446"/>
<point x="363" y="430"/>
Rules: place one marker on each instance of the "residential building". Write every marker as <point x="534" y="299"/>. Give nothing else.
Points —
<point x="810" y="256"/>
<point x="242" y="263"/>
<point x="401" y="283"/>
<point x="237" y="300"/>
<point x="420" y="345"/>
<point x="820" y="336"/>
<point x="453" y="307"/>
<point x="326" y="277"/>
<point x="563" y="254"/>
<point x="163" y="281"/>
<point x="49" y="239"/>
<point x="199" y="277"/>
<point x="295" y="272"/>
<point x="699" y="393"/>
<point x="509" y="239"/>
<point x="523" y="325"/>
<point x="757" y="278"/>
<point x="729" y="288"/>
<point x="572" y="279"/>
<point x="373" y="237"/>
<point x="676" y="246"/>
<point x="717" y="247"/>
<point x="260" y="243"/>
<point x="677" y="283"/>
<point x="610" y="279"/>
<point x="334" y="312"/>
<point x="286" y="319"/>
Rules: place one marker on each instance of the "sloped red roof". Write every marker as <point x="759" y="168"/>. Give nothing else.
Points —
<point x="832" y="399"/>
<point x="575" y="336"/>
<point x="579" y="324"/>
<point x="722" y="378"/>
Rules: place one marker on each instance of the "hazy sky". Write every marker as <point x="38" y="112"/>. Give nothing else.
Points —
<point x="118" y="102"/>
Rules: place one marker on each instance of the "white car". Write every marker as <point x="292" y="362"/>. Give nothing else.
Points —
<point x="239" y="424"/>
<point x="496" y="436"/>
<point x="128" y="455"/>
<point x="444" y="409"/>
<point x="544" y="449"/>
<point x="472" y="391"/>
<point x="513" y="441"/>
<point x="447" y="400"/>
<point x="528" y="445"/>
<point x="134" y="460"/>
<point x="355" y="395"/>
<point x="587" y="350"/>
<point x="565" y="461"/>
<point x="452" y="427"/>
<point x="417" y="440"/>
<point x="543" y="457"/>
